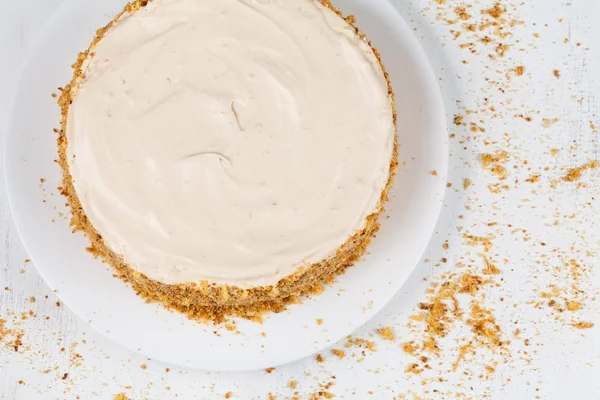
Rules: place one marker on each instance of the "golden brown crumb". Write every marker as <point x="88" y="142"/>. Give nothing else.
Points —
<point x="572" y="175"/>
<point x="489" y="159"/>
<point x="462" y="351"/>
<point x="458" y="119"/>
<point x="519" y="71"/>
<point x="319" y="358"/>
<point x="467" y="182"/>
<point x="293" y="384"/>
<point x="575" y="173"/>
<point x="228" y="395"/>
<point x="496" y="11"/>
<point x="319" y="321"/>
<point x="414" y="369"/>
<point x="434" y="172"/>
<point x="573" y="305"/>
<point x="121" y="396"/>
<point x="547" y="122"/>
<point x="490" y="269"/>
<point x="386" y="333"/>
<point x="358" y="342"/>
<point x="495" y="188"/>
<point x="533" y="178"/>
<point x="473" y="240"/>
<point x="410" y="348"/>
<point x="517" y="332"/>
<point x="269" y="370"/>
<point x="143" y="366"/>
<point x="583" y="325"/>
<point x="493" y="163"/>
<point x="461" y="13"/>
<point x="339" y="353"/>
<point x="556" y="73"/>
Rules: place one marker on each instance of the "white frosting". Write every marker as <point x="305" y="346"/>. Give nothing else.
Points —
<point x="231" y="141"/>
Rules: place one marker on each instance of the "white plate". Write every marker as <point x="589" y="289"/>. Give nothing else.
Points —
<point x="88" y="287"/>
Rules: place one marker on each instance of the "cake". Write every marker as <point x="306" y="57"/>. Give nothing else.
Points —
<point x="228" y="157"/>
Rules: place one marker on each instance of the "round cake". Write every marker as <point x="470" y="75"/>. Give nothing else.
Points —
<point x="227" y="157"/>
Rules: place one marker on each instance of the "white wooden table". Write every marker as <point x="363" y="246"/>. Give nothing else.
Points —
<point x="546" y="124"/>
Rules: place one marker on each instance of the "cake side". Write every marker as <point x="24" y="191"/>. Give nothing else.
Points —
<point x="204" y="300"/>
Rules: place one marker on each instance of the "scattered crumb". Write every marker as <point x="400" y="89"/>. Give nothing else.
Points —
<point x="269" y="370"/>
<point x="494" y="163"/>
<point x="575" y="173"/>
<point x="413" y="369"/>
<point x="519" y="70"/>
<point x="386" y="332"/>
<point x="547" y="122"/>
<point x="339" y="353"/>
<point x="462" y="351"/>
<point x="583" y="325"/>
<point x="410" y="348"/>
<point x="533" y="178"/>
<point x="360" y="343"/>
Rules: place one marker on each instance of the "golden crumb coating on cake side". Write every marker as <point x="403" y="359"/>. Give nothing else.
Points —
<point x="202" y="300"/>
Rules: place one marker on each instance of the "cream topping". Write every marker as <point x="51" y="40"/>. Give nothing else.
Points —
<point x="232" y="141"/>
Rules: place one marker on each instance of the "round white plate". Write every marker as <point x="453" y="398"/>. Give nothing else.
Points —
<point x="88" y="287"/>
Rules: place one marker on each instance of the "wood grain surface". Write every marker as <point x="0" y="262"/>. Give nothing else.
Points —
<point x="540" y="217"/>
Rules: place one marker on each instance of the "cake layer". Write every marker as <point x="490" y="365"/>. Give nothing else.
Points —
<point x="230" y="141"/>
